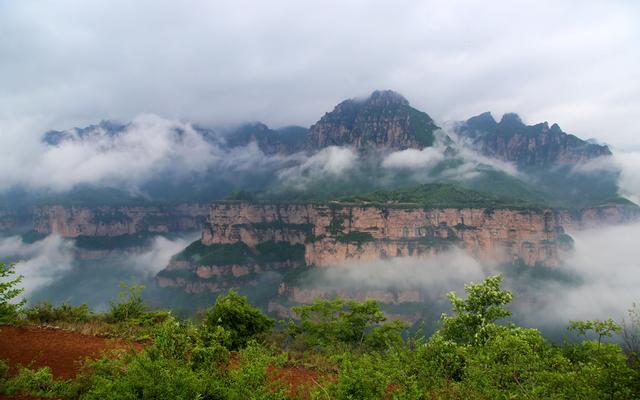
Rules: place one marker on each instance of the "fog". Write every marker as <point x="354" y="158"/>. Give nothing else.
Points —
<point x="39" y="263"/>
<point x="53" y="269"/>
<point x="599" y="279"/>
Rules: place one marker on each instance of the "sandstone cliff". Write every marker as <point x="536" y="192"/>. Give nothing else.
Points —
<point x="336" y="234"/>
<point x="238" y="236"/>
<point x="115" y="221"/>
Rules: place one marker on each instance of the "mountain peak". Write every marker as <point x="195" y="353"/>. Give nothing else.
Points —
<point x="383" y="120"/>
<point x="482" y="121"/>
<point x="386" y="98"/>
<point x="511" y="119"/>
<point x="527" y="145"/>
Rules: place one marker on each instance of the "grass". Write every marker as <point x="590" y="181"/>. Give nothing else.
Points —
<point x="240" y="253"/>
<point x="436" y="195"/>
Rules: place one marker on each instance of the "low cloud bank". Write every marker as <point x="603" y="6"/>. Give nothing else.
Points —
<point x="149" y="147"/>
<point x="153" y="259"/>
<point x="39" y="263"/>
<point x="599" y="280"/>
<point x="331" y="162"/>
<point x="46" y="262"/>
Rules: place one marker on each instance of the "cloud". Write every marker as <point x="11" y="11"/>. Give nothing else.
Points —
<point x="69" y="65"/>
<point x="39" y="263"/>
<point x="148" y="147"/>
<point x="330" y="162"/>
<point x="468" y="165"/>
<point x="441" y="273"/>
<point x="157" y="256"/>
<point x="426" y="158"/>
<point x="626" y="163"/>
<point x="607" y="262"/>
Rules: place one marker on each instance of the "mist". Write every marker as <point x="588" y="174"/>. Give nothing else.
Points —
<point x="54" y="270"/>
<point x="39" y="263"/>
<point x="599" y="279"/>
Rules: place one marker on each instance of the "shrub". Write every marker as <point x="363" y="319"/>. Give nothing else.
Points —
<point x="237" y="317"/>
<point x="129" y="304"/>
<point x="9" y="309"/>
<point x="474" y="317"/>
<point x="348" y="322"/>
<point x="38" y="382"/>
<point x="45" y="312"/>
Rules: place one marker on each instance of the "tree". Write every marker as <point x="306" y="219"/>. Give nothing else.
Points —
<point x="601" y="328"/>
<point x="631" y="334"/>
<point x="239" y="318"/>
<point x="350" y="322"/>
<point x="8" y="293"/>
<point x="472" y="317"/>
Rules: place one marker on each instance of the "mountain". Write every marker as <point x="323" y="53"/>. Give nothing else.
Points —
<point x="104" y="127"/>
<point x="527" y="145"/>
<point x="384" y="119"/>
<point x="285" y="140"/>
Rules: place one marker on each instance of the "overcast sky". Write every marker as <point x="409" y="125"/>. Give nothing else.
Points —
<point x="68" y="63"/>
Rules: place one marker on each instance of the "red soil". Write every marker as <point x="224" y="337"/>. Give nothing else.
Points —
<point x="60" y="350"/>
<point x="64" y="351"/>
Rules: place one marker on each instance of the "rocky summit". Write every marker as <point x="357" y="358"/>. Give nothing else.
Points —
<point x="526" y="145"/>
<point x="383" y="120"/>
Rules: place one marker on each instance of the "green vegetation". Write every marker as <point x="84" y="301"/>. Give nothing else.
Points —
<point x="241" y="321"/>
<point x="32" y="236"/>
<point x="354" y="237"/>
<point x="9" y="292"/>
<point x="326" y="323"/>
<point x="278" y="225"/>
<point x="129" y="305"/>
<point x="112" y="242"/>
<point x="436" y="195"/>
<point x="347" y="350"/>
<point x="239" y="253"/>
<point x="46" y="313"/>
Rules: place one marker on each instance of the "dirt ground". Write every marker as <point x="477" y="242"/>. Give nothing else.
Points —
<point x="64" y="351"/>
<point x="60" y="350"/>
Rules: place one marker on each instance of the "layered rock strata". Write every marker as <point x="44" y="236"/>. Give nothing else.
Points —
<point x="117" y="221"/>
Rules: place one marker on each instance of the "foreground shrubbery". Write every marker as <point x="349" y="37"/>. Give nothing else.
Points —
<point x="355" y="352"/>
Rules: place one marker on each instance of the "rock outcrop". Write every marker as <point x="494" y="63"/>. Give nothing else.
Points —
<point x="527" y="145"/>
<point x="336" y="234"/>
<point x="384" y="120"/>
<point x="116" y="221"/>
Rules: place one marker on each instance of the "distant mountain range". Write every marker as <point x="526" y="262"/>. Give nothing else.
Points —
<point x="373" y="179"/>
<point x="386" y="120"/>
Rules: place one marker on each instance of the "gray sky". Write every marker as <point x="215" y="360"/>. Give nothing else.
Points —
<point x="68" y="63"/>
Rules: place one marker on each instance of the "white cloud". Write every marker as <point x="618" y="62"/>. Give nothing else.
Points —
<point x="281" y="63"/>
<point x="152" y="260"/>
<point x="607" y="261"/>
<point x="329" y="162"/>
<point x="426" y="158"/>
<point x="39" y="263"/>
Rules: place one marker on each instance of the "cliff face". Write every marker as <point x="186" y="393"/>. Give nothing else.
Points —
<point x="8" y="219"/>
<point x="527" y="145"/>
<point x="339" y="234"/>
<point x="238" y="236"/>
<point x="384" y="120"/>
<point x="115" y="221"/>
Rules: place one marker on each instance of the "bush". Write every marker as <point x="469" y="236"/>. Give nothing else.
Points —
<point x="45" y="313"/>
<point x="129" y="305"/>
<point x="352" y="323"/>
<point x="9" y="309"/>
<point x="38" y="382"/>
<point x="236" y="316"/>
